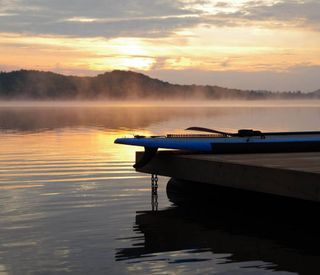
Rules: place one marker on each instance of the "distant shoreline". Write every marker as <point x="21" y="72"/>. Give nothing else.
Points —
<point x="126" y="86"/>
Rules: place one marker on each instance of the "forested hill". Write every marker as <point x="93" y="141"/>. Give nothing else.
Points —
<point x="117" y="85"/>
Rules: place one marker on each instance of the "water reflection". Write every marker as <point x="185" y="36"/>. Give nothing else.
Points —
<point x="115" y="118"/>
<point x="69" y="196"/>
<point x="158" y="119"/>
<point x="257" y="232"/>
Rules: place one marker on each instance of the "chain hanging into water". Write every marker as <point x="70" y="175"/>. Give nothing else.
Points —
<point x="154" y="192"/>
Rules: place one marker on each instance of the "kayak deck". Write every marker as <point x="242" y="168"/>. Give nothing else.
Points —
<point x="213" y="143"/>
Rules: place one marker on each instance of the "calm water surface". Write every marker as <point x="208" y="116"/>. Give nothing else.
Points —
<point x="70" y="201"/>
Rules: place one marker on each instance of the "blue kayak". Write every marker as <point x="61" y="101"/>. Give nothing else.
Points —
<point x="206" y="143"/>
<point x="245" y="141"/>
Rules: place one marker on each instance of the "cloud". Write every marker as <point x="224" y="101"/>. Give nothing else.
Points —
<point x="93" y="8"/>
<point x="145" y="18"/>
<point x="106" y="18"/>
<point x="298" y="14"/>
<point x="154" y="27"/>
<point x="222" y="5"/>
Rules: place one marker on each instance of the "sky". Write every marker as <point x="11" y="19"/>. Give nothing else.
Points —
<point x="247" y="44"/>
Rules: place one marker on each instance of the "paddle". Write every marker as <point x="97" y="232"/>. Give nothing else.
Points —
<point x="202" y="129"/>
<point x="241" y="133"/>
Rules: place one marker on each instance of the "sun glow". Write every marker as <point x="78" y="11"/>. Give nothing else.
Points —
<point x="121" y="63"/>
<point x="261" y="47"/>
<point x="81" y="19"/>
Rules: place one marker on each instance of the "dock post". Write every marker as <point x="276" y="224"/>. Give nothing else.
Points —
<point x="154" y="192"/>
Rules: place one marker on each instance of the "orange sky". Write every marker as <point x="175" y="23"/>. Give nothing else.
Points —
<point x="227" y="43"/>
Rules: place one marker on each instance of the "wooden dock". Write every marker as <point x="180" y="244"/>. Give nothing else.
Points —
<point x="295" y="175"/>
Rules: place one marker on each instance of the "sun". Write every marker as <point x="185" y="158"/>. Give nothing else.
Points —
<point x="137" y="63"/>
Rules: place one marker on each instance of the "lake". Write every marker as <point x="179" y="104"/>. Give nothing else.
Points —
<point x="71" y="203"/>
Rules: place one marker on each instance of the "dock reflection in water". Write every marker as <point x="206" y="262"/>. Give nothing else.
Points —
<point x="229" y="232"/>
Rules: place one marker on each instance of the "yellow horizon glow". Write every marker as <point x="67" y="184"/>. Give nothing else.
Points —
<point x="241" y="48"/>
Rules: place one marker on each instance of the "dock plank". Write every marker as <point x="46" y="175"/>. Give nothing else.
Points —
<point x="306" y="162"/>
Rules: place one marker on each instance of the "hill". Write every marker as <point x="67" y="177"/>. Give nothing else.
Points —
<point x="116" y="85"/>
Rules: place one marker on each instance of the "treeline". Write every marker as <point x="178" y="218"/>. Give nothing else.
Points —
<point x="119" y="85"/>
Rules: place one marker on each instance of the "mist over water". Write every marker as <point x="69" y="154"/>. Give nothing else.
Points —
<point x="159" y="118"/>
<point x="70" y="201"/>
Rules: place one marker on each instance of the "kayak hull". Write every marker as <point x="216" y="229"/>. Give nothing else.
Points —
<point x="270" y="143"/>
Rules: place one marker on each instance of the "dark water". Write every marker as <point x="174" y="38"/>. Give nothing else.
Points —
<point x="70" y="201"/>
